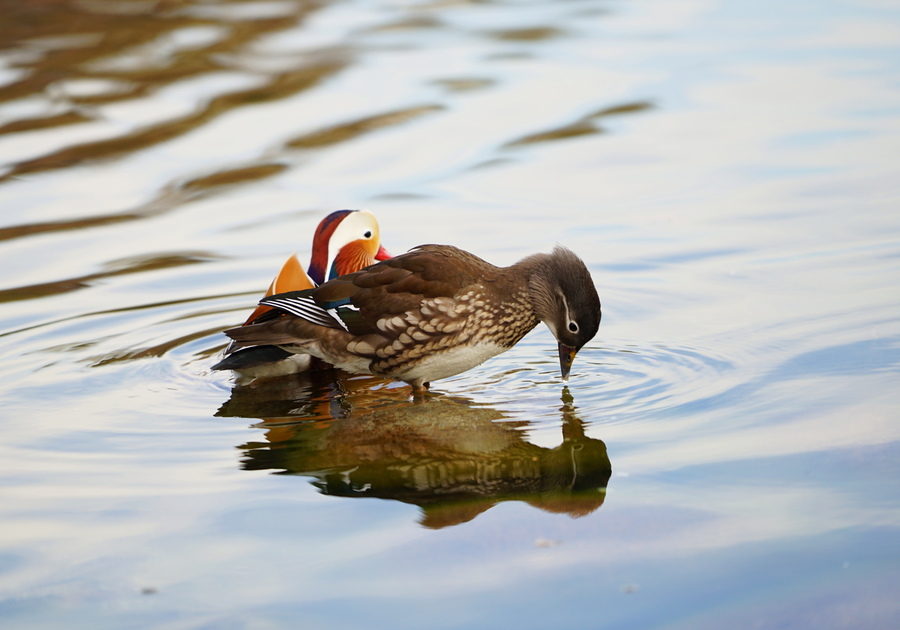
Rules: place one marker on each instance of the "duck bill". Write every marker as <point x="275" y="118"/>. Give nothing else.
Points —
<point x="566" y="356"/>
<point x="382" y="254"/>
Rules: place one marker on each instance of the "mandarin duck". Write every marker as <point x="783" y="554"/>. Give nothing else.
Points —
<point x="345" y="241"/>
<point x="431" y="313"/>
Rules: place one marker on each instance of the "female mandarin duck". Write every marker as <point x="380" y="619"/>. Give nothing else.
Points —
<point x="345" y="241"/>
<point x="431" y="313"/>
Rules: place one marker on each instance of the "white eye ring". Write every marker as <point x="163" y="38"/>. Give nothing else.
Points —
<point x="573" y="327"/>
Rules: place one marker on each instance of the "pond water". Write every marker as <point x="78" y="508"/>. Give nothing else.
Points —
<point x="726" y="452"/>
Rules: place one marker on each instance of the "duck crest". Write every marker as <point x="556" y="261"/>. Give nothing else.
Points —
<point x="321" y="256"/>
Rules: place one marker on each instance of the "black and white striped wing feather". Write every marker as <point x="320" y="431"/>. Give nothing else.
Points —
<point x="306" y="308"/>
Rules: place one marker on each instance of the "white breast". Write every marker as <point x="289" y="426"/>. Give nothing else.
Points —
<point x="452" y="361"/>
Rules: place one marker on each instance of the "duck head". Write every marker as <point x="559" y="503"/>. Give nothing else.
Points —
<point x="345" y="241"/>
<point x="564" y="298"/>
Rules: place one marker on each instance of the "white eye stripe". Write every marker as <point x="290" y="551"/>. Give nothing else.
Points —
<point x="565" y="306"/>
<point x="572" y="325"/>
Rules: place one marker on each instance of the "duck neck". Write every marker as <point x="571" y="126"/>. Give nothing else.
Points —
<point x="534" y="275"/>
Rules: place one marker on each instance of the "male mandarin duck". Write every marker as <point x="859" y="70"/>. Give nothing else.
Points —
<point x="431" y="313"/>
<point x="345" y="241"/>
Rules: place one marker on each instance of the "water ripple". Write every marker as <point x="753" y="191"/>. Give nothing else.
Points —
<point x="630" y="382"/>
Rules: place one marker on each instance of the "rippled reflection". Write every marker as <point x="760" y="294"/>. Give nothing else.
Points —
<point x="124" y="76"/>
<point x="450" y="456"/>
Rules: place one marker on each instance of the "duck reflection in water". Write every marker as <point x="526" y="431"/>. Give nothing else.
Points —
<point x="450" y="456"/>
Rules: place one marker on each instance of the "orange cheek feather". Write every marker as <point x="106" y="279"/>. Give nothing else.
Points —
<point x="352" y="257"/>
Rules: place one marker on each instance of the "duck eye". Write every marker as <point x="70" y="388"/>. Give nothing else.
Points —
<point x="368" y="234"/>
<point x="573" y="327"/>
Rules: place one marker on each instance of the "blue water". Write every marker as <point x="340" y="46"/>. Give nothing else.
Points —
<point x="725" y="453"/>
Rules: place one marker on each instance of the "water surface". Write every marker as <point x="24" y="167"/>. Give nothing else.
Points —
<point x="726" y="450"/>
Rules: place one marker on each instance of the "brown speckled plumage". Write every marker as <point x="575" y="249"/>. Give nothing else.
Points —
<point x="437" y="311"/>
